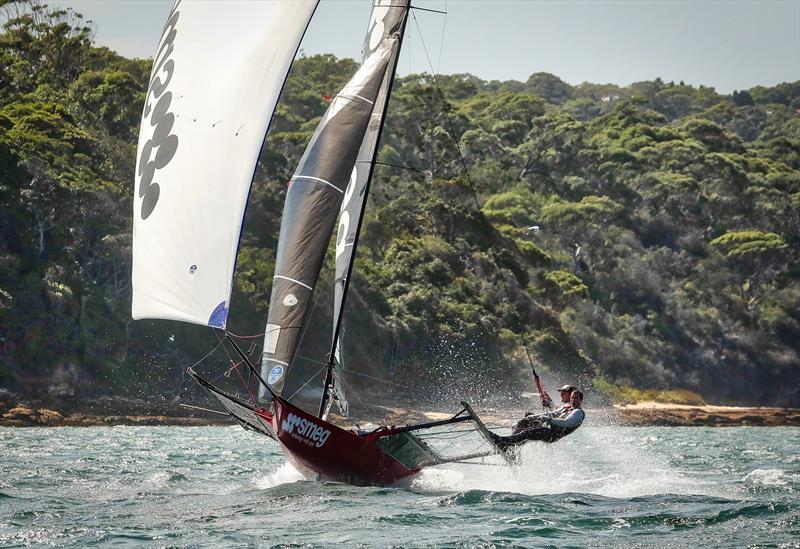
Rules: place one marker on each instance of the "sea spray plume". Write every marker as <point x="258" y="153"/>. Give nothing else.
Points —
<point x="606" y="461"/>
<point x="284" y="474"/>
<point x="471" y="368"/>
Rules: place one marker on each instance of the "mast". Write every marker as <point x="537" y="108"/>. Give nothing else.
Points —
<point x="328" y="384"/>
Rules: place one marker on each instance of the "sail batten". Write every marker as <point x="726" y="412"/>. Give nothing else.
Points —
<point x="216" y="80"/>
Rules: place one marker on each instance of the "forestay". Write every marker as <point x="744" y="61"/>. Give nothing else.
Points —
<point x="216" y="78"/>
<point x="313" y="200"/>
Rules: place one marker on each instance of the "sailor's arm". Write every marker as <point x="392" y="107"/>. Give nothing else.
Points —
<point x="544" y="416"/>
<point x="572" y="420"/>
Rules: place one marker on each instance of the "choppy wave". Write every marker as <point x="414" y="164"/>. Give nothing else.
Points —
<point x="285" y="473"/>
<point x="772" y="477"/>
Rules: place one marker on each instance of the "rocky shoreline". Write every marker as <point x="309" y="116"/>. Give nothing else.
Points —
<point x="23" y="416"/>
<point x="681" y="415"/>
<point x="640" y="414"/>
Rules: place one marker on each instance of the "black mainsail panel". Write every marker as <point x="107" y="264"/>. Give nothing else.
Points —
<point x="313" y="201"/>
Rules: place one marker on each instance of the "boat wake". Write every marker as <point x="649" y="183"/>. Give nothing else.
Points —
<point x="598" y="461"/>
<point x="602" y="460"/>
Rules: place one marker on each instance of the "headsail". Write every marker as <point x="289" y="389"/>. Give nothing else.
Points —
<point x="216" y="78"/>
<point x="313" y="200"/>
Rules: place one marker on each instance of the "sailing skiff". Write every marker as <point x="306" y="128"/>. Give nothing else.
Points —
<point x="217" y="76"/>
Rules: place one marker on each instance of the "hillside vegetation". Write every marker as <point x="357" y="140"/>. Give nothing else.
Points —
<point x="648" y="235"/>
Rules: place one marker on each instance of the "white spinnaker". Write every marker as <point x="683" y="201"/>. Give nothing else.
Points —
<point x="217" y="75"/>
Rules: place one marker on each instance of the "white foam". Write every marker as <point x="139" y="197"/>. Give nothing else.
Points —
<point x="285" y="474"/>
<point x="767" y="477"/>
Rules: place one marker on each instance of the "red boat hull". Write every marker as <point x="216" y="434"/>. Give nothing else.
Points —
<point x="322" y="450"/>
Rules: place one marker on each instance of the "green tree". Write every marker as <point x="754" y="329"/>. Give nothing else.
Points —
<point x="757" y="255"/>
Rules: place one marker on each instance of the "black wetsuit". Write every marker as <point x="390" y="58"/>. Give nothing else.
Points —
<point x="559" y="428"/>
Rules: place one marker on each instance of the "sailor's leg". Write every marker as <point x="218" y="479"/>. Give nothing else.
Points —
<point x="537" y="433"/>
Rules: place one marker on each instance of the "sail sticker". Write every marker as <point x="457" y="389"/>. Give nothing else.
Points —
<point x="341" y="237"/>
<point x="192" y="269"/>
<point x="290" y="300"/>
<point x="271" y="338"/>
<point x="218" y="316"/>
<point x="344" y="218"/>
<point x="351" y="185"/>
<point x="275" y="374"/>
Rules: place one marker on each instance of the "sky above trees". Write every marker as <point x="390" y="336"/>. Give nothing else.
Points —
<point x="725" y="44"/>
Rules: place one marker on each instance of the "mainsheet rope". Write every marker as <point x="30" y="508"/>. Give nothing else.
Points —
<point x="546" y="401"/>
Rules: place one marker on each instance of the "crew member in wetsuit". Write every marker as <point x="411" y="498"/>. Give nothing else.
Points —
<point x="536" y="420"/>
<point x="553" y="430"/>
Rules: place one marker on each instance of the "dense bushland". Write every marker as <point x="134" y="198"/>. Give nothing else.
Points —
<point x="647" y="235"/>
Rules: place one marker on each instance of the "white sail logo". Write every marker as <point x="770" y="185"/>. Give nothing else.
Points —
<point x="344" y="219"/>
<point x="376" y="25"/>
<point x="275" y="374"/>
<point x="305" y="431"/>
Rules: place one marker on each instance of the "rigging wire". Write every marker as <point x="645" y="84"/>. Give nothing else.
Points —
<point x="417" y="8"/>
<point x="346" y="387"/>
<point x="349" y="371"/>
<point x="484" y="222"/>
<point x="211" y="352"/>
<point x="312" y="378"/>
<point x="247" y="336"/>
<point x="374" y="378"/>
<point x="397" y="166"/>
<point x="235" y="366"/>
<point x="441" y="44"/>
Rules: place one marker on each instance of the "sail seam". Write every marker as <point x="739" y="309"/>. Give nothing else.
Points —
<point x="293" y="280"/>
<point x="278" y="361"/>
<point x="318" y="180"/>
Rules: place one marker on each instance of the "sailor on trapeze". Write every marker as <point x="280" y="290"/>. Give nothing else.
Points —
<point x="547" y="427"/>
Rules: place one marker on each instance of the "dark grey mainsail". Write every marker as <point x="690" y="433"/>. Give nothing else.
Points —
<point x="388" y="18"/>
<point x="313" y="200"/>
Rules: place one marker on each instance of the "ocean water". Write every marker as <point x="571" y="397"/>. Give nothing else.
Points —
<point x="221" y="486"/>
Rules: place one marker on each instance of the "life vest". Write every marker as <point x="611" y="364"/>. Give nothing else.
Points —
<point x="561" y="432"/>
